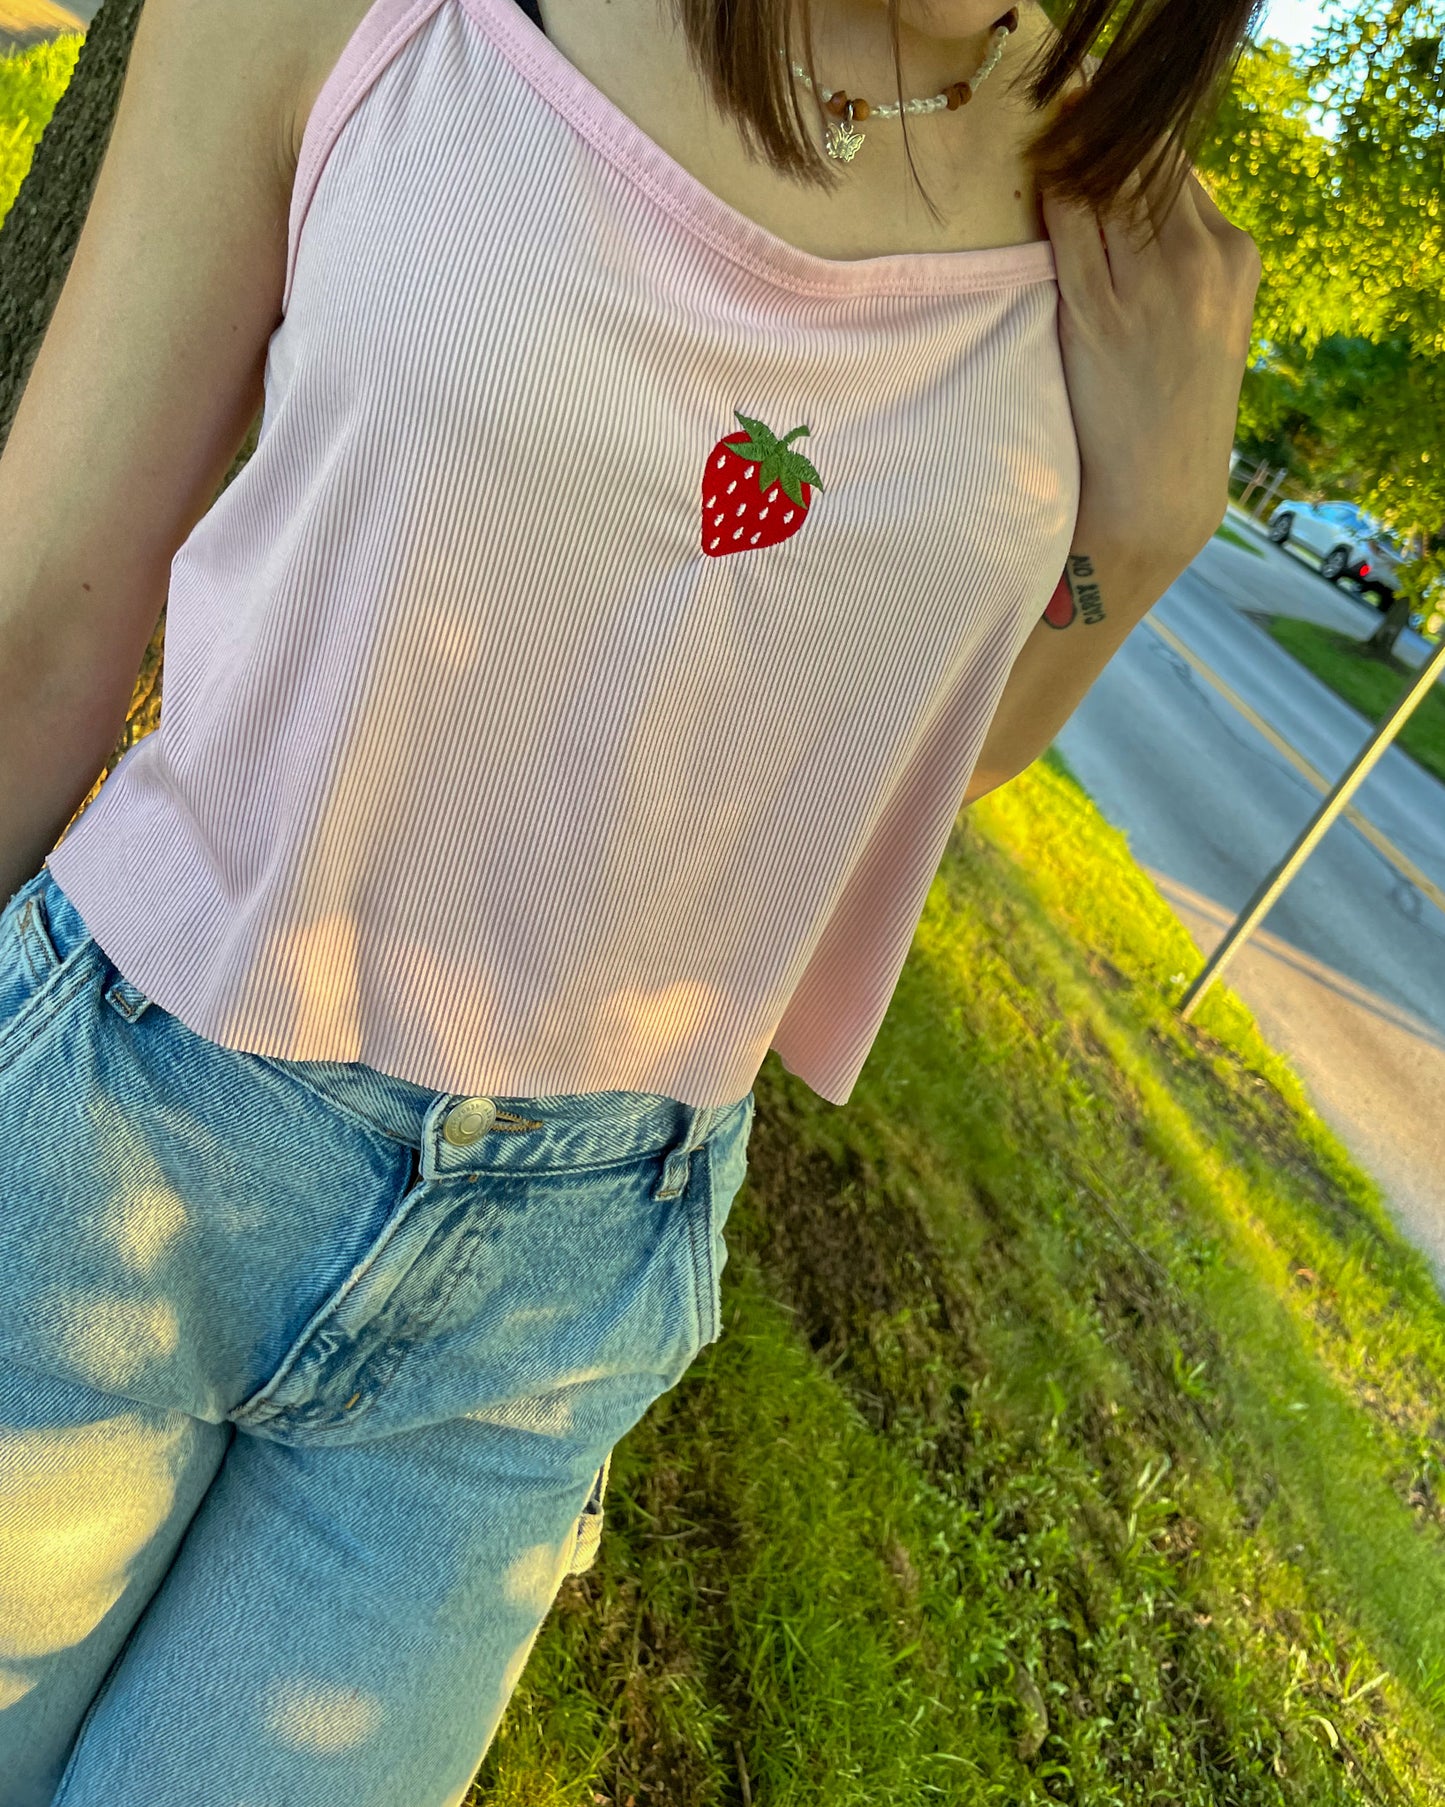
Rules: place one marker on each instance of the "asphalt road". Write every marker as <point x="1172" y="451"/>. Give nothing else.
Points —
<point x="1192" y="742"/>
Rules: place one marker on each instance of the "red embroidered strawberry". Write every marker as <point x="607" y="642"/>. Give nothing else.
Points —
<point x="755" y="490"/>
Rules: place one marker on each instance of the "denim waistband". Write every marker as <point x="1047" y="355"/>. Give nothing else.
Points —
<point x="456" y="1132"/>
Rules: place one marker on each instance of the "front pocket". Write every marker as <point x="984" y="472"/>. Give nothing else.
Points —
<point x="35" y="981"/>
<point x="589" y="1524"/>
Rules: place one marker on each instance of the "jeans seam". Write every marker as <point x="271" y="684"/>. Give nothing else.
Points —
<point x="67" y="1775"/>
<point x="347" y="1113"/>
<point x="258" y="1408"/>
<point x="394" y="1356"/>
<point x="40" y="1010"/>
<point x="700" y="1236"/>
<point x="462" y="1267"/>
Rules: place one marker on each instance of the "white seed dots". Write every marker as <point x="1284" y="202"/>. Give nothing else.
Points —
<point x="739" y="534"/>
<point x="754" y="540"/>
<point x="721" y="462"/>
<point x="742" y="508"/>
<point x="773" y="493"/>
<point x="748" y="470"/>
<point x="763" y="514"/>
<point x="717" y="520"/>
<point x="787" y="517"/>
<point x="712" y="545"/>
<point x="732" y="486"/>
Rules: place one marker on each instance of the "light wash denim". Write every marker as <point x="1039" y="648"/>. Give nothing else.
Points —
<point x="309" y="1378"/>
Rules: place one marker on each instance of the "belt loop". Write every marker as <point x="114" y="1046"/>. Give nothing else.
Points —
<point x="698" y="1123"/>
<point x="128" y="999"/>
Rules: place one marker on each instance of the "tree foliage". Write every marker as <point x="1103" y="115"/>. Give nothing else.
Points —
<point x="1347" y="379"/>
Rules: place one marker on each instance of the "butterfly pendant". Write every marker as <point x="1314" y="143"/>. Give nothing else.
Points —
<point x="844" y="142"/>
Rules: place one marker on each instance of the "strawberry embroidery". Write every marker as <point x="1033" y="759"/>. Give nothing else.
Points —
<point x="756" y="490"/>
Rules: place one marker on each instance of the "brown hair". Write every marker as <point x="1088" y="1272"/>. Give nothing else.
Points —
<point x="1164" y="74"/>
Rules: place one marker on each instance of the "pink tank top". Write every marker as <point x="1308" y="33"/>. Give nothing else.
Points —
<point x="576" y="688"/>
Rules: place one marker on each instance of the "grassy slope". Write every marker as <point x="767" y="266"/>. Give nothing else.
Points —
<point x="31" y="82"/>
<point x="1372" y="686"/>
<point x="1075" y="1431"/>
<point x="1236" y="538"/>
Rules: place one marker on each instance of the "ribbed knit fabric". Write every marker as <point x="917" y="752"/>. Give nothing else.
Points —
<point x="489" y="756"/>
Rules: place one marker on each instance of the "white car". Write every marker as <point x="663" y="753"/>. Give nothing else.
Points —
<point x="1348" y="543"/>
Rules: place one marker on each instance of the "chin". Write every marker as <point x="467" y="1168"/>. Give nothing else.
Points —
<point x="951" y="19"/>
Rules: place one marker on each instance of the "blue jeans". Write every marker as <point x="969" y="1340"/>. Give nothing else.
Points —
<point x="309" y="1378"/>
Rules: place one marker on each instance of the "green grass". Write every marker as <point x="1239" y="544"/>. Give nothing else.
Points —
<point x="1235" y="538"/>
<point x="31" y="82"/>
<point x="1076" y="1430"/>
<point x="1373" y="686"/>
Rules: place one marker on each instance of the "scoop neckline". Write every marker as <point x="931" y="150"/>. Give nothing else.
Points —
<point x="705" y="214"/>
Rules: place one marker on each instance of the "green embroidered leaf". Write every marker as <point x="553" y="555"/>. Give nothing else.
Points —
<point x="763" y="435"/>
<point x="771" y="470"/>
<point x="804" y="469"/>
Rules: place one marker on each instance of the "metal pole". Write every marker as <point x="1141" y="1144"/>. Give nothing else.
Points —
<point x="1269" y="495"/>
<point x="1274" y="883"/>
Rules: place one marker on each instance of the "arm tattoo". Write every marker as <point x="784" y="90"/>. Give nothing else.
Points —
<point x="1077" y="594"/>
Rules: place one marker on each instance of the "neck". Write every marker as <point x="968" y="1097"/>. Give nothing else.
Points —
<point x="853" y="52"/>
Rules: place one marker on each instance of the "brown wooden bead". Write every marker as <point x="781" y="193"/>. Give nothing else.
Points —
<point x="836" y="104"/>
<point x="860" y="109"/>
<point x="958" y="94"/>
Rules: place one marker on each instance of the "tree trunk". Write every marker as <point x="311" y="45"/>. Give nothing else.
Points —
<point x="1381" y="644"/>
<point x="40" y="231"/>
<point x="37" y="242"/>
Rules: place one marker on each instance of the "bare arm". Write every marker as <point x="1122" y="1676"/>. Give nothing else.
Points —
<point x="144" y="387"/>
<point x="1057" y="667"/>
<point x="1155" y="314"/>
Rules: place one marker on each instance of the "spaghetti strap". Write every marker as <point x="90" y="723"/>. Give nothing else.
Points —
<point x="380" y="34"/>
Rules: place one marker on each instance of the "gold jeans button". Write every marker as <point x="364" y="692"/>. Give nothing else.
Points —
<point x="469" y="1121"/>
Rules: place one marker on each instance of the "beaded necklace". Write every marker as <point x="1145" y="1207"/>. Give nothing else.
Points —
<point x="843" y="142"/>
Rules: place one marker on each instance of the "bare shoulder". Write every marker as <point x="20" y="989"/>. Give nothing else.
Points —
<point x="322" y="30"/>
<point x="179" y="274"/>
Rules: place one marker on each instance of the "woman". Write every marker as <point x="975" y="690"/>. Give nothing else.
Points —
<point x="652" y="539"/>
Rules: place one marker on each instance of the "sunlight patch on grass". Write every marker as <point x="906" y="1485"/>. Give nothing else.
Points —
<point x="1070" y="1436"/>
